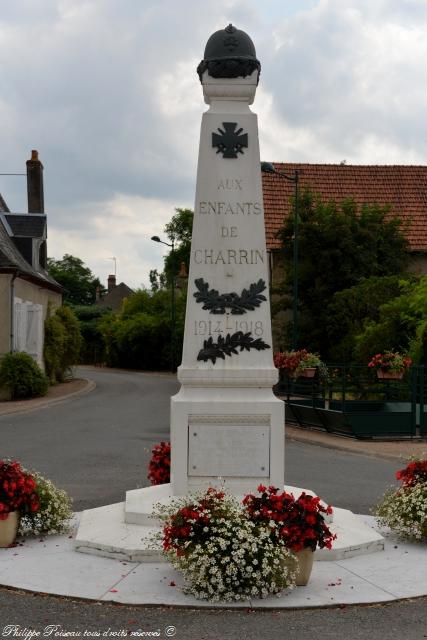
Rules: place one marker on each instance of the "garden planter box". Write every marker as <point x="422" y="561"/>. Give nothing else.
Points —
<point x="389" y="375"/>
<point x="309" y="372"/>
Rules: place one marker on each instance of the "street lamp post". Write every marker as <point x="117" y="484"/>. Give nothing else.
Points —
<point x="267" y="167"/>
<point x="172" y="246"/>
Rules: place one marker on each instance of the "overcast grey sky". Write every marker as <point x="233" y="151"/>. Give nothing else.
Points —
<point x="107" y="91"/>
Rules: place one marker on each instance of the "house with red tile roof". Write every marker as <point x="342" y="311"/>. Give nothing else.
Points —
<point x="404" y="187"/>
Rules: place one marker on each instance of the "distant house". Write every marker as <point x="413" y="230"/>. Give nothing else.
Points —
<point x="403" y="187"/>
<point x="115" y="295"/>
<point x="26" y="289"/>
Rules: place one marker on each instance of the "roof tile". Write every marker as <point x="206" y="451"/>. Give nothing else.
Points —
<point x="403" y="187"/>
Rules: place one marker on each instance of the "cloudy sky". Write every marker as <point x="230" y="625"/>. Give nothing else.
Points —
<point x="107" y="91"/>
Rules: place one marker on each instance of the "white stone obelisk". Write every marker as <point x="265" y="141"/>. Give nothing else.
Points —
<point x="225" y="421"/>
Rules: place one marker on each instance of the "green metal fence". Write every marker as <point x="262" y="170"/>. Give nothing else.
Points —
<point x="353" y="401"/>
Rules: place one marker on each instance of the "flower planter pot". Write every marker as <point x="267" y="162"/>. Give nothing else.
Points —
<point x="382" y="374"/>
<point x="304" y="560"/>
<point x="9" y="529"/>
<point x="309" y="372"/>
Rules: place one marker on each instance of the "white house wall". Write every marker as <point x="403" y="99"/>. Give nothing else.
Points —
<point x="31" y="307"/>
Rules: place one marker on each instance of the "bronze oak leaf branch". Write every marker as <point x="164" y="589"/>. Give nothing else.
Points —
<point x="229" y="345"/>
<point x="217" y="303"/>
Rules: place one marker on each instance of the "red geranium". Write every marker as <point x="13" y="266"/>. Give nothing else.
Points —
<point x="390" y="361"/>
<point x="160" y="464"/>
<point x="413" y="473"/>
<point x="289" y="360"/>
<point x="17" y="490"/>
<point x="299" y="522"/>
<point x="190" y="524"/>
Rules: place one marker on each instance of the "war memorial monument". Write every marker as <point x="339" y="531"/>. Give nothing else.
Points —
<point x="226" y="423"/>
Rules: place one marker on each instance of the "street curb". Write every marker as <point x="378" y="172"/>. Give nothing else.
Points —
<point x="347" y="449"/>
<point x="48" y="402"/>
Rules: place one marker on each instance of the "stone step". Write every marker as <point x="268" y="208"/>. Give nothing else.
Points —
<point x="105" y="532"/>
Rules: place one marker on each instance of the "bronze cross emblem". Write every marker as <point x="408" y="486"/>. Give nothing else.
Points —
<point x="230" y="142"/>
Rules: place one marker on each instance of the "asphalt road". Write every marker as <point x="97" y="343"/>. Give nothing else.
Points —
<point x="97" y="446"/>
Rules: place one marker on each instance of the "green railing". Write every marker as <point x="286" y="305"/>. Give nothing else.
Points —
<point x="353" y="401"/>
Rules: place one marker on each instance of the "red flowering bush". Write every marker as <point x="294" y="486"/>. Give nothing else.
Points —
<point x="298" y="522"/>
<point x="404" y="510"/>
<point x="390" y="361"/>
<point x="221" y="552"/>
<point x="289" y="360"/>
<point x="190" y="524"/>
<point x="160" y="464"/>
<point x="17" y="490"/>
<point x="413" y="473"/>
<point x="295" y="362"/>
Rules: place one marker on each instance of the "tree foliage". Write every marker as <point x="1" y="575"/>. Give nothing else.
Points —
<point x="401" y="325"/>
<point x="140" y="336"/>
<point x="178" y="231"/>
<point x="339" y="244"/>
<point x="92" y="350"/>
<point x="78" y="280"/>
<point x="349" y="311"/>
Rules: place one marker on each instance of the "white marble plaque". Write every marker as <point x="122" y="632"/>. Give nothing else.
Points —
<point x="228" y="450"/>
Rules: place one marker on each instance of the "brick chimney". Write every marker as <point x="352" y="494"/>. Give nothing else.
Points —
<point x="35" y="184"/>
<point x="111" y="283"/>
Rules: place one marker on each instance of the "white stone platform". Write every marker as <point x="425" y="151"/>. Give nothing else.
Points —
<point x="122" y="530"/>
<point x="51" y="566"/>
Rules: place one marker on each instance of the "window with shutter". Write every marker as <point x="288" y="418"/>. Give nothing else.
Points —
<point x="34" y="338"/>
<point x="19" y="325"/>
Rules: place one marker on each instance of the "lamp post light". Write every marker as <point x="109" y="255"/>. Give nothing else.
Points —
<point x="267" y="167"/>
<point x="172" y="246"/>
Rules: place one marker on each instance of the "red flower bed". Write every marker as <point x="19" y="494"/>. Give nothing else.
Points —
<point x="17" y="490"/>
<point x="413" y="473"/>
<point x="299" y="522"/>
<point x="159" y="467"/>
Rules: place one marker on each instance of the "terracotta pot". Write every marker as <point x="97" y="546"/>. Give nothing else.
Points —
<point x="9" y="529"/>
<point x="383" y="374"/>
<point x="309" y="372"/>
<point x="304" y="560"/>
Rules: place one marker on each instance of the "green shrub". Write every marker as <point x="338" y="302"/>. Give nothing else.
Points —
<point x="73" y="338"/>
<point x="21" y="376"/>
<point x="92" y="349"/>
<point x="62" y="341"/>
<point x="139" y="337"/>
<point x="54" y="340"/>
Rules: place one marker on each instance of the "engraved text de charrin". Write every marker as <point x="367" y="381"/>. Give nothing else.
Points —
<point x="228" y="256"/>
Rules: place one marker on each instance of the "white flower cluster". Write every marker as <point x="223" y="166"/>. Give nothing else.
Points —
<point x="55" y="510"/>
<point x="405" y="511"/>
<point x="237" y="558"/>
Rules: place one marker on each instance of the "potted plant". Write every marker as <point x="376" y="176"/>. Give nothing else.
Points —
<point x="222" y="553"/>
<point x="298" y="522"/>
<point x="390" y="365"/>
<point x="18" y="496"/>
<point x="300" y="364"/>
<point x="30" y="504"/>
<point x="404" y="510"/>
